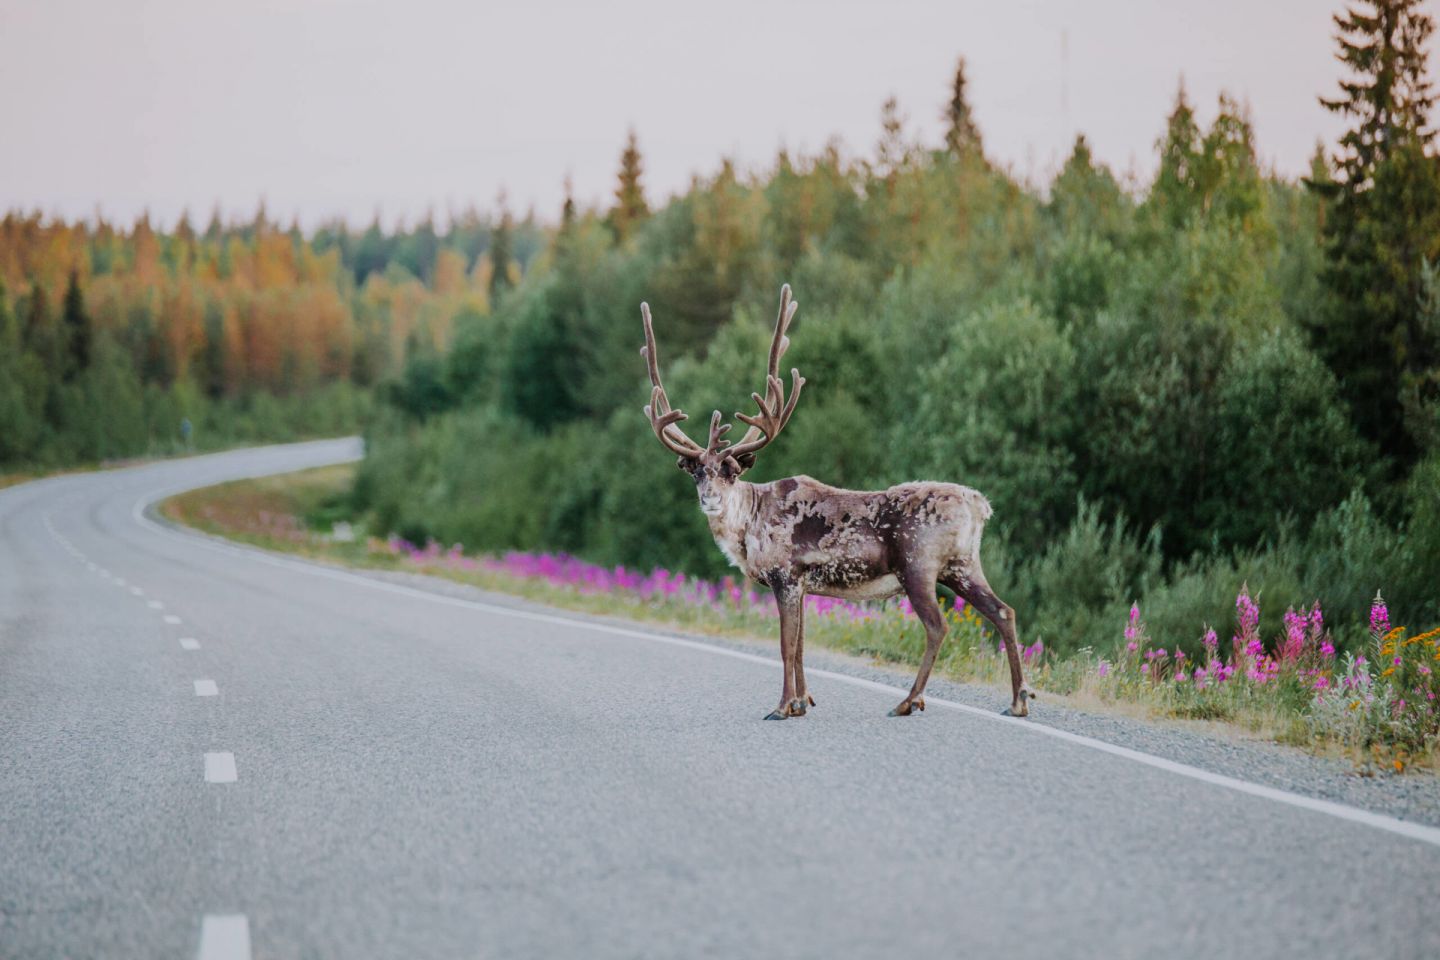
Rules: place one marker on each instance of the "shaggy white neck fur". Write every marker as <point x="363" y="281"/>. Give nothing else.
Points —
<point x="730" y="524"/>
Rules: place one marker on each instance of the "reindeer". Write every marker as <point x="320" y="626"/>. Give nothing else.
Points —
<point x="799" y="536"/>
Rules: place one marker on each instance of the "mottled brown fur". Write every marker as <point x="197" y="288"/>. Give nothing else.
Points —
<point x="800" y="536"/>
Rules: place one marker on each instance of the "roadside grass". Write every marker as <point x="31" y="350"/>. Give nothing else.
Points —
<point x="11" y="479"/>
<point x="1293" y="691"/>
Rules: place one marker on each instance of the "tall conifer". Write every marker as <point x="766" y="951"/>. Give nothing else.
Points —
<point x="1382" y="223"/>
<point x="630" y="208"/>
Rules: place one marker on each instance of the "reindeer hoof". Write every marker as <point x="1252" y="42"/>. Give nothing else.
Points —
<point x="776" y="715"/>
<point x="909" y="706"/>
<point x="811" y="699"/>
<point x="797" y="707"/>
<point x="1021" y="706"/>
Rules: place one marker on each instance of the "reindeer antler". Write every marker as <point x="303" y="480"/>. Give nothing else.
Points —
<point x="775" y="410"/>
<point x="663" y="420"/>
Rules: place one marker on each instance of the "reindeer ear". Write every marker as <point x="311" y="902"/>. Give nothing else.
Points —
<point x="685" y="463"/>
<point x="743" y="462"/>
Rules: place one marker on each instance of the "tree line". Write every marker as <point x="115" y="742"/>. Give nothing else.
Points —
<point x="1224" y="376"/>
<point x="117" y="342"/>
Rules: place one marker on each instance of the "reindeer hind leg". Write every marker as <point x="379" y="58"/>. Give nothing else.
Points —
<point x="976" y="592"/>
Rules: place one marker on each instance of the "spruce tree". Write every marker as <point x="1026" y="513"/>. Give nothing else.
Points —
<point x="41" y="337"/>
<point x="76" y="326"/>
<point x="962" y="137"/>
<point x="501" y="253"/>
<point x="630" y="207"/>
<point x="1382" y="223"/>
<point x="567" y="212"/>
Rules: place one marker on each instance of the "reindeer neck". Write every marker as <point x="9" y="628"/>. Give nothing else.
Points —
<point x="730" y="525"/>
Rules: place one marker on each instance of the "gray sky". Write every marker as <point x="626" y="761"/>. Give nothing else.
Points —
<point x="328" y="107"/>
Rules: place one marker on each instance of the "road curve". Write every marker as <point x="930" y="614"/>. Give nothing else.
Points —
<point x="206" y="752"/>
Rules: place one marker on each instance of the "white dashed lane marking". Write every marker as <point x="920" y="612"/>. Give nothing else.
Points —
<point x="189" y="643"/>
<point x="220" y="767"/>
<point x="225" y="937"/>
<point x="206" y="688"/>
<point x="137" y="591"/>
<point x="171" y="618"/>
<point x="155" y="605"/>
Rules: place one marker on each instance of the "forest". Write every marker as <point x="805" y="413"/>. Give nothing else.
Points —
<point x="116" y="344"/>
<point x="1219" y="378"/>
<point x="1170" y="389"/>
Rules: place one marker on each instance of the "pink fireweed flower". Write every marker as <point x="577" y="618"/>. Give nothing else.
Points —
<point x="1317" y="619"/>
<point x="1247" y="611"/>
<point x="1321" y="683"/>
<point x="1103" y="670"/>
<point x="1379" y="616"/>
<point x="1296" y="625"/>
<point x="1181" y="677"/>
<point x="1210" y="641"/>
<point x="1132" y="646"/>
<point x="1145" y="668"/>
<point x="1327" y="650"/>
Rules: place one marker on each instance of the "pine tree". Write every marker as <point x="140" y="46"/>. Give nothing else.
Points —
<point x="40" y="334"/>
<point x="1390" y="97"/>
<point x="1177" y="184"/>
<point x="216" y="228"/>
<point x="630" y="208"/>
<point x="962" y="137"/>
<point x="1086" y="198"/>
<point x="76" y="326"/>
<point x="567" y="212"/>
<point x="1229" y="174"/>
<point x="894" y="151"/>
<point x="501" y="253"/>
<point x="1382" y="222"/>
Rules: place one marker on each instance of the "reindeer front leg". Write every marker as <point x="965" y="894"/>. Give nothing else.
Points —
<point x="790" y="599"/>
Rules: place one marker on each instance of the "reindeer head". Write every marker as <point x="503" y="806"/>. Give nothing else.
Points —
<point x="716" y="466"/>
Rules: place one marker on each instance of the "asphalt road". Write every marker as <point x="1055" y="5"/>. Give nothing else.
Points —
<point x="206" y="751"/>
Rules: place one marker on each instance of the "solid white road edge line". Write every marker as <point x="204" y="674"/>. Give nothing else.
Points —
<point x="220" y="767"/>
<point x="224" y="937"/>
<point x="1379" y="821"/>
<point x="206" y="688"/>
<point x="189" y="643"/>
<point x="171" y="618"/>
